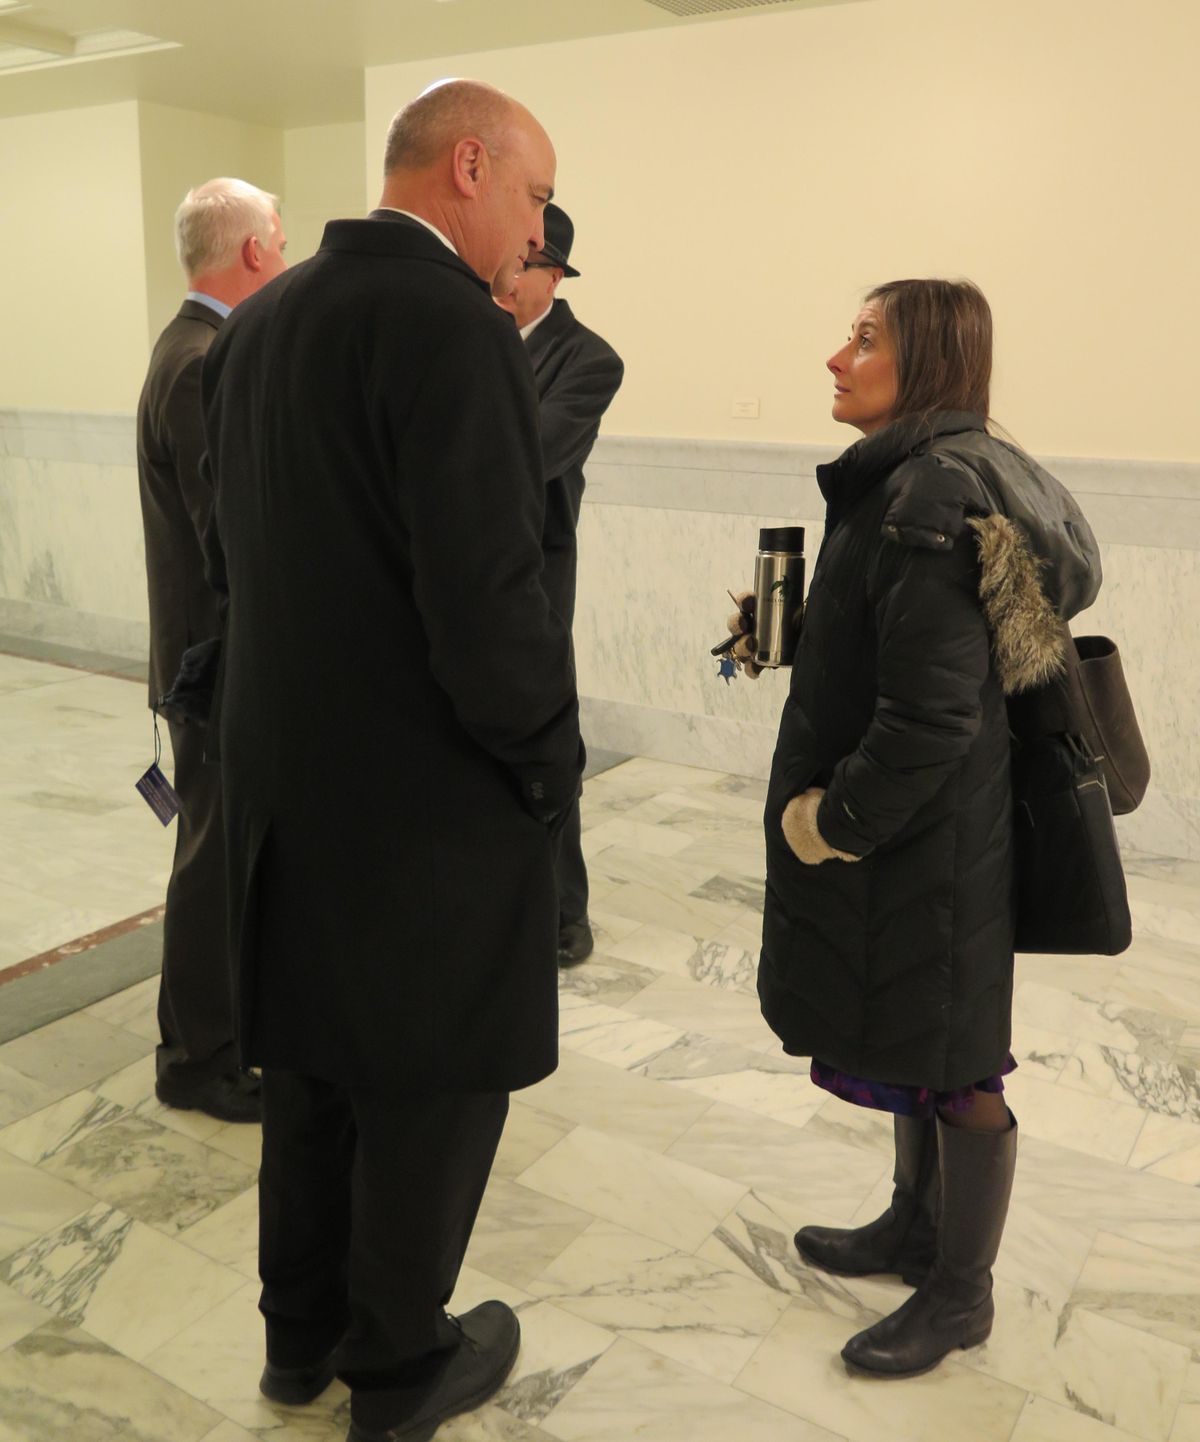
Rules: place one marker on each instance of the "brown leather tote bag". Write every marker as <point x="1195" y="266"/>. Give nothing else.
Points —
<point x="1107" y="721"/>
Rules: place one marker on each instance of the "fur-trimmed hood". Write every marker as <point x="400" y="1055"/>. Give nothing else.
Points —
<point x="1028" y="637"/>
<point x="1039" y="561"/>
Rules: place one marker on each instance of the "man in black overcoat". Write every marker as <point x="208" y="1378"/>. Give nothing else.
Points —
<point x="399" y="741"/>
<point x="577" y="374"/>
<point x="230" y="243"/>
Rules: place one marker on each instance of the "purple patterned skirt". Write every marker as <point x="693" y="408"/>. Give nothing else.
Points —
<point x="906" y="1101"/>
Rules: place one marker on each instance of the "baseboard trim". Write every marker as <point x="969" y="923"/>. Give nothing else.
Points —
<point x="713" y="742"/>
<point x="109" y="636"/>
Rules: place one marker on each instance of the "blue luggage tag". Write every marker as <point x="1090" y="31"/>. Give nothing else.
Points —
<point x="157" y="792"/>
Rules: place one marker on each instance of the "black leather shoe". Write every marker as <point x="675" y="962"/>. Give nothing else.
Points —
<point x="491" y="1338"/>
<point x="231" y="1097"/>
<point x="296" y="1386"/>
<point x="575" y="942"/>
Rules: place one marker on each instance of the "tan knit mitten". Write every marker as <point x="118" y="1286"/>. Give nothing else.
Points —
<point x="801" y="833"/>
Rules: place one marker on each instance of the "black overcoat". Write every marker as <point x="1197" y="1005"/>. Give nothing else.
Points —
<point x="577" y="373"/>
<point x="898" y="967"/>
<point x="397" y="709"/>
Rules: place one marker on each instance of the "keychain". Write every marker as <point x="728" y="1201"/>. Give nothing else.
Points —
<point x="730" y="664"/>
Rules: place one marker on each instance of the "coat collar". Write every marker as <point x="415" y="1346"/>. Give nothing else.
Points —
<point x="864" y="464"/>
<point x="197" y="310"/>
<point x="557" y="323"/>
<point x="385" y="232"/>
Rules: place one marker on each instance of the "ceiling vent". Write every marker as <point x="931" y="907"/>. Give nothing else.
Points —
<point x="706" y="7"/>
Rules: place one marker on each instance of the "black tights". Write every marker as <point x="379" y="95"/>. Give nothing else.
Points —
<point x="988" y="1113"/>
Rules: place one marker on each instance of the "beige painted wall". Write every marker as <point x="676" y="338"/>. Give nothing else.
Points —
<point x="323" y="180"/>
<point x="737" y="185"/>
<point x="72" y="289"/>
<point x="180" y="149"/>
<point x="88" y="271"/>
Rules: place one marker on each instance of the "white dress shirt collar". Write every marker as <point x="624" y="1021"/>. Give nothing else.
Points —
<point x="420" y="219"/>
<point x="528" y="330"/>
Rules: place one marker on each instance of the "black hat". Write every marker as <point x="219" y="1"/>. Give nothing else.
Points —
<point x="559" y="235"/>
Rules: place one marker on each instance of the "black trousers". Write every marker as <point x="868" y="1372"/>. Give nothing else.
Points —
<point x="558" y="578"/>
<point x="195" y="998"/>
<point x="570" y="870"/>
<point x="366" y="1204"/>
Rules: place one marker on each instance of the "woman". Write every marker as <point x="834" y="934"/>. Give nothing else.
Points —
<point x="948" y="560"/>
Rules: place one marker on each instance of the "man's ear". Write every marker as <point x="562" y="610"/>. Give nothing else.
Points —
<point x="252" y="254"/>
<point x="556" y="276"/>
<point x="470" y="162"/>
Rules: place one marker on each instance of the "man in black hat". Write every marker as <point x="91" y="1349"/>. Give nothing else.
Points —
<point x="577" y="374"/>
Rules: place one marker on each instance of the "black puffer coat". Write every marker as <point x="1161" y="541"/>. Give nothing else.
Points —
<point x="898" y="967"/>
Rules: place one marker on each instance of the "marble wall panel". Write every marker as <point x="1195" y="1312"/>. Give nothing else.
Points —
<point x="1145" y="503"/>
<point x="667" y="526"/>
<point x="82" y="630"/>
<point x="71" y="535"/>
<point x="652" y="689"/>
<point x="72" y="566"/>
<point x="1150" y="605"/>
<point x="67" y="436"/>
<point x="652" y="603"/>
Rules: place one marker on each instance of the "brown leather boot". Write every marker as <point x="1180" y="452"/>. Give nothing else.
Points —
<point x="904" y="1238"/>
<point x="953" y="1305"/>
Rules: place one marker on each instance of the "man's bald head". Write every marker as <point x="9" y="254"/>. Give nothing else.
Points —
<point x="432" y="125"/>
<point x="477" y="166"/>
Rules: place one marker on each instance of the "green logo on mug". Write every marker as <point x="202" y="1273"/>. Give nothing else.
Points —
<point x="781" y="586"/>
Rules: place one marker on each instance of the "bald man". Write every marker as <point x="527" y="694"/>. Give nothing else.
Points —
<point x="399" y="740"/>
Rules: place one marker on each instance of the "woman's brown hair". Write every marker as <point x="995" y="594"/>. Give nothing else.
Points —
<point x="942" y="334"/>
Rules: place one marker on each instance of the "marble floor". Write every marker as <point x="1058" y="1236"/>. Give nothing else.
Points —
<point x="640" y="1214"/>
<point x="79" y="848"/>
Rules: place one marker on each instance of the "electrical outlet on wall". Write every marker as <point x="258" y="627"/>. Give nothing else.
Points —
<point x="745" y="410"/>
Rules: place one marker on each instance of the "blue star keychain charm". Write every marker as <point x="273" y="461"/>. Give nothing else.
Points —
<point x="727" y="670"/>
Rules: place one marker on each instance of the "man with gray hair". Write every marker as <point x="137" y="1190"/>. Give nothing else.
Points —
<point x="399" y="740"/>
<point x="230" y="242"/>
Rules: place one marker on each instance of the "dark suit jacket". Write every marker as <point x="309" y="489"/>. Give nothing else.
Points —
<point x="577" y="374"/>
<point x="176" y="499"/>
<point x="397" y="708"/>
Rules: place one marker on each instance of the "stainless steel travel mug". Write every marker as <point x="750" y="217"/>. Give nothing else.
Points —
<point x="778" y="594"/>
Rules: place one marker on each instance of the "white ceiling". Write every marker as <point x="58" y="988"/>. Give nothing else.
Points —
<point x="294" y="62"/>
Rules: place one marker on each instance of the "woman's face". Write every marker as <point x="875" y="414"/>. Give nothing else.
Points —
<point x="866" y="384"/>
